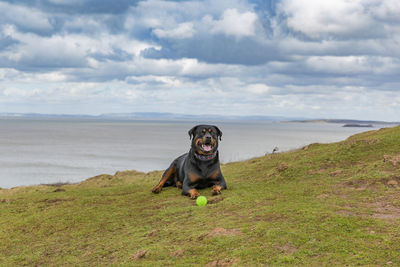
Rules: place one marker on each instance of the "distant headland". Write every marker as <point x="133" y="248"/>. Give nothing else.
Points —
<point x="357" y="125"/>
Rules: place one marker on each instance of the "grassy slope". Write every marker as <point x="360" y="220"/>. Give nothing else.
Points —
<point x="323" y="204"/>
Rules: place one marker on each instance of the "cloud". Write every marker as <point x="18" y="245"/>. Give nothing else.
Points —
<point x="257" y="88"/>
<point x="233" y="23"/>
<point x="330" y="58"/>
<point x="340" y="19"/>
<point x="72" y="50"/>
<point x="25" y="18"/>
<point x="182" y="31"/>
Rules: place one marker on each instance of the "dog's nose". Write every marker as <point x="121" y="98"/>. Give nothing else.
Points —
<point x="208" y="139"/>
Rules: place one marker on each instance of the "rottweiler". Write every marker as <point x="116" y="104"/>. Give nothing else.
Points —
<point x="199" y="168"/>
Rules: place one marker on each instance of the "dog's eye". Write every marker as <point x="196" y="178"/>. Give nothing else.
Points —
<point x="209" y="130"/>
<point x="204" y="130"/>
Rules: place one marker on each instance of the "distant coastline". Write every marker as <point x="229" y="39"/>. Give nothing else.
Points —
<point x="190" y="117"/>
<point x="351" y="123"/>
<point x="148" y="116"/>
<point x="358" y="125"/>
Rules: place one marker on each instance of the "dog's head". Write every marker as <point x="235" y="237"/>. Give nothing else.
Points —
<point x="205" y="139"/>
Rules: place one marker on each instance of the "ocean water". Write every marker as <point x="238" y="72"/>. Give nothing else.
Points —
<point x="38" y="150"/>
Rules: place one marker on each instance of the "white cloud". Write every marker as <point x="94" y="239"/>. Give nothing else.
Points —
<point x="182" y="31"/>
<point x="153" y="79"/>
<point x="386" y="10"/>
<point x="317" y="19"/>
<point x="24" y="17"/>
<point x="233" y="23"/>
<point x="350" y="65"/>
<point x="257" y="88"/>
<point x="67" y="50"/>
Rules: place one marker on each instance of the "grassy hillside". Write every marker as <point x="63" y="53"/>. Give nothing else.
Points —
<point x="324" y="204"/>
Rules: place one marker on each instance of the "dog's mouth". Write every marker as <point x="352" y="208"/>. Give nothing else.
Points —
<point x="207" y="147"/>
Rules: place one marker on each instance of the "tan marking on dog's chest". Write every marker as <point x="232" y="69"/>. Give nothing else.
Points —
<point x="194" y="177"/>
<point x="214" y="175"/>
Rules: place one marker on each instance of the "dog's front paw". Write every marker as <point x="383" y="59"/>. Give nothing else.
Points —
<point x="156" y="190"/>
<point x="216" y="190"/>
<point x="193" y="194"/>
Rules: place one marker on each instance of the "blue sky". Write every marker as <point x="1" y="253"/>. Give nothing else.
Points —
<point x="294" y="58"/>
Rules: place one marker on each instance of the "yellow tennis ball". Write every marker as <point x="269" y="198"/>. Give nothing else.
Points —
<point x="201" y="201"/>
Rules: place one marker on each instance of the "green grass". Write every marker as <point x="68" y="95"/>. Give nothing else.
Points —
<point x="325" y="204"/>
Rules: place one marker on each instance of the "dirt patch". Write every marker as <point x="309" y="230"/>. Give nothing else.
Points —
<point x="392" y="159"/>
<point x="282" y="167"/>
<point x="393" y="181"/>
<point x="287" y="249"/>
<point x="336" y="173"/>
<point x="153" y="233"/>
<point x="219" y="231"/>
<point x="386" y="211"/>
<point x="362" y="184"/>
<point x="223" y="262"/>
<point x="305" y="147"/>
<point x="320" y="171"/>
<point x="178" y="253"/>
<point x="7" y="200"/>
<point x="139" y="255"/>
<point x="215" y="200"/>
<point x="347" y="211"/>
<point x="324" y="168"/>
<point x="358" y="184"/>
<point x="59" y="190"/>
<point x="56" y="200"/>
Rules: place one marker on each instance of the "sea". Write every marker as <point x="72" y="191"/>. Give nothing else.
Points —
<point x="69" y="150"/>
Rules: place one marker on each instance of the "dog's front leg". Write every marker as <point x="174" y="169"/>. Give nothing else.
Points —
<point x="188" y="187"/>
<point x="219" y="185"/>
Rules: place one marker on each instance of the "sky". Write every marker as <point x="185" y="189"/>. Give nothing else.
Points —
<point x="292" y="58"/>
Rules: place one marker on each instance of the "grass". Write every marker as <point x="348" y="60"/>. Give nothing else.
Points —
<point x="324" y="204"/>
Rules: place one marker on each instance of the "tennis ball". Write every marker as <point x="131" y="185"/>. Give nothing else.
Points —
<point x="201" y="201"/>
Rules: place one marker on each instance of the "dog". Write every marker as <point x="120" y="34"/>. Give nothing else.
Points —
<point x="199" y="168"/>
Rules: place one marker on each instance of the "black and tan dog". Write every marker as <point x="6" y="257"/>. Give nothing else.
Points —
<point x="199" y="168"/>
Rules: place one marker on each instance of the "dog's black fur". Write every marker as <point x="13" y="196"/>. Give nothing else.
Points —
<point x="199" y="168"/>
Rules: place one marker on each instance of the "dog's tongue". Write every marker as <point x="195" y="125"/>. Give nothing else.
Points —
<point x="207" y="148"/>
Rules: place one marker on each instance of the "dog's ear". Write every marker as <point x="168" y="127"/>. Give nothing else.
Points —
<point x="192" y="131"/>
<point x="219" y="133"/>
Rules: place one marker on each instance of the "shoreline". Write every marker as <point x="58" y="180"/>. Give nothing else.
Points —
<point x="231" y="153"/>
<point x="119" y="172"/>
